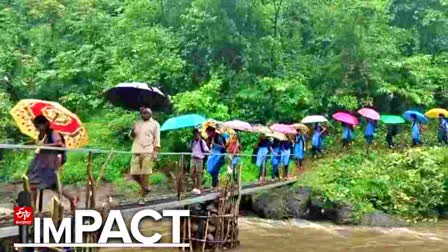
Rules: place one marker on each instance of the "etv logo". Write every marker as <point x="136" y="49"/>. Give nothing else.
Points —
<point x="23" y="216"/>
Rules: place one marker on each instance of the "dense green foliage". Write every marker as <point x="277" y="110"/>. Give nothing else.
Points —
<point x="258" y="60"/>
<point x="413" y="184"/>
<point x="262" y="60"/>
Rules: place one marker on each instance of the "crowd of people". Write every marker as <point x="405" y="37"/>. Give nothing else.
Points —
<point x="212" y="151"/>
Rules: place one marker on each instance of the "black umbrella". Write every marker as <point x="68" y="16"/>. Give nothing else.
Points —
<point x="134" y="95"/>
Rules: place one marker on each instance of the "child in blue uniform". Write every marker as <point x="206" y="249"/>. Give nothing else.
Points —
<point x="275" y="158"/>
<point x="286" y="153"/>
<point x="299" y="150"/>
<point x="317" y="139"/>
<point x="263" y="146"/>
<point x="416" y="131"/>
<point x="347" y="135"/>
<point x="443" y="130"/>
<point x="370" y="131"/>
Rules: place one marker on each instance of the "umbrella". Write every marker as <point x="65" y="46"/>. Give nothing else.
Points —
<point x="183" y="121"/>
<point x="420" y="117"/>
<point x="435" y="112"/>
<point x="239" y="125"/>
<point x="278" y="135"/>
<point x="262" y="129"/>
<point x="392" y="119"/>
<point x="314" y="119"/>
<point x="345" y="117"/>
<point x="283" y="128"/>
<point x="134" y="95"/>
<point x="300" y="126"/>
<point x="228" y="133"/>
<point x="61" y="120"/>
<point x="369" y="113"/>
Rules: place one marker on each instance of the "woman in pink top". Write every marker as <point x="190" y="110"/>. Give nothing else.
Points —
<point x="198" y="151"/>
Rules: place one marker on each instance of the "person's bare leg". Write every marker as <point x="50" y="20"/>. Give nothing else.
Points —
<point x="140" y="182"/>
<point x="199" y="180"/>
<point x="145" y="183"/>
<point x="73" y="199"/>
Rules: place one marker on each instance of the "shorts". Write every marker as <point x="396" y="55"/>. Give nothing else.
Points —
<point x="142" y="164"/>
<point x="196" y="165"/>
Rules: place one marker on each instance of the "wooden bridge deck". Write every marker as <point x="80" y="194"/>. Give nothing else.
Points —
<point x="161" y="203"/>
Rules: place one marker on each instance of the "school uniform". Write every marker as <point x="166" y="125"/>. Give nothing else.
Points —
<point x="370" y="131"/>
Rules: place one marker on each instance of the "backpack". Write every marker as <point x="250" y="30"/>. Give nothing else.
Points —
<point x="201" y="144"/>
<point x="63" y="153"/>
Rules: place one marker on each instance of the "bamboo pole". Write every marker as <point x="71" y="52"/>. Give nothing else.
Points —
<point x="206" y="232"/>
<point x="189" y="235"/>
<point x="103" y="168"/>
<point x="91" y="180"/>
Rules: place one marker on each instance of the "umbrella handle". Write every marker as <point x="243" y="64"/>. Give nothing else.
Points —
<point x="56" y="117"/>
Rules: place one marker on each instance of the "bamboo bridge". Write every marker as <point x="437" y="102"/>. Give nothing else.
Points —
<point x="169" y="201"/>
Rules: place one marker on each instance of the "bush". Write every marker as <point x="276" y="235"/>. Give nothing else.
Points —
<point x="412" y="184"/>
<point x="158" y="178"/>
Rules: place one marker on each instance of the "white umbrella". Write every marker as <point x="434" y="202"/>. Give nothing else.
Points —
<point x="314" y="119"/>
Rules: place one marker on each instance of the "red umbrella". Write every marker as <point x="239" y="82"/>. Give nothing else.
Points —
<point x="369" y="113"/>
<point x="61" y="120"/>
<point x="283" y="128"/>
<point x="345" y="118"/>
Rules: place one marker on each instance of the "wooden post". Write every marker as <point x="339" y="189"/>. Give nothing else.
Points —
<point x="206" y="232"/>
<point x="189" y="235"/>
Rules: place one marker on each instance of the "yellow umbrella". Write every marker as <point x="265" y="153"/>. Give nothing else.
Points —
<point x="61" y="120"/>
<point x="435" y="112"/>
<point x="228" y="133"/>
<point x="301" y="126"/>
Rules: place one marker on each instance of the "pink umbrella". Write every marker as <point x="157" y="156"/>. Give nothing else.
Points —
<point x="283" y="128"/>
<point x="345" y="118"/>
<point x="239" y="125"/>
<point x="369" y="113"/>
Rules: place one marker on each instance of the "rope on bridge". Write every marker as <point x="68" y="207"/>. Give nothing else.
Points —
<point x="17" y="147"/>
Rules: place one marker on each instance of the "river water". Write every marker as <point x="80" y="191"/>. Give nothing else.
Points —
<point x="258" y="235"/>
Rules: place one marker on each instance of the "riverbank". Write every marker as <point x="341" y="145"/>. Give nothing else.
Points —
<point x="374" y="188"/>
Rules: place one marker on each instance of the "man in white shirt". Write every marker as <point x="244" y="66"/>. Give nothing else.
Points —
<point x="146" y="134"/>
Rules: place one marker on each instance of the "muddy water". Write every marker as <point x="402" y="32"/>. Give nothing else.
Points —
<point x="259" y="235"/>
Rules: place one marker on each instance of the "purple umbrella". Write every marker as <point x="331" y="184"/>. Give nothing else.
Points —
<point x="134" y="95"/>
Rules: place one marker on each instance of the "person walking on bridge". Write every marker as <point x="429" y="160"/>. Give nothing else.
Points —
<point x="216" y="158"/>
<point x="263" y="147"/>
<point x="43" y="169"/>
<point x="146" y="134"/>
<point x="198" y="151"/>
<point x="285" y="157"/>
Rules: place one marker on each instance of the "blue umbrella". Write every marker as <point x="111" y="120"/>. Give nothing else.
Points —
<point x="183" y="121"/>
<point x="420" y="117"/>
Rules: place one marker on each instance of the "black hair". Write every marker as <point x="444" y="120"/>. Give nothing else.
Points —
<point x="40" y="120"/>
<point x="195" y="130"/>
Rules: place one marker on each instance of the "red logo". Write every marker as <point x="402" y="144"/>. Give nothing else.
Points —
<point x="23" y="216"/>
